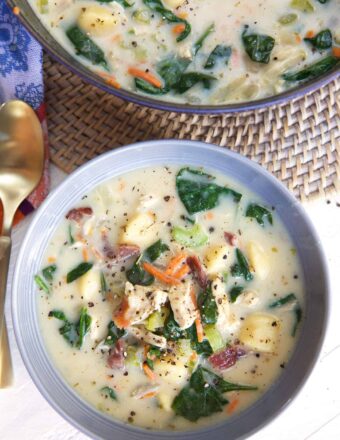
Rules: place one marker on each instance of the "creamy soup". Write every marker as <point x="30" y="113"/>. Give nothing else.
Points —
<point x="170" y="298"/>
<point x="195" y="51"/>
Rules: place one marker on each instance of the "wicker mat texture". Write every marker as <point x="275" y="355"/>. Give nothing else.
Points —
<point x="298" y="142"/>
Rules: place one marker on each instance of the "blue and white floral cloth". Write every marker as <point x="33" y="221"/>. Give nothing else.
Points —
<point x="20" y="61"/>
<point x="21" y="78"/>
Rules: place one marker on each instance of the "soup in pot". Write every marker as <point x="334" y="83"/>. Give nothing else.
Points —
<point x="199" y="52"/>
<point x="170" y="297"/>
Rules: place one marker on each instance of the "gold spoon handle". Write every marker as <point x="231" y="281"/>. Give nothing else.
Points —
<point x="5" y="251"/>
<point x="6" y="369"/>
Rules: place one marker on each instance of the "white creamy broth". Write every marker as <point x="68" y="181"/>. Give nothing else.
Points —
<point x="149" y="368"/>
<point x="133" y="42"/>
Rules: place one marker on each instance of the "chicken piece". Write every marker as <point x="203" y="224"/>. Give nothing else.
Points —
<point x="144" y="335"/>
<point x="185" y="311"/>
<point x="142" y="301"/>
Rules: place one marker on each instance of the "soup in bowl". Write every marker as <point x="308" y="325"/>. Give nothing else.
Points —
<point x="173" y="297"/>
<point x="198" y="52"/>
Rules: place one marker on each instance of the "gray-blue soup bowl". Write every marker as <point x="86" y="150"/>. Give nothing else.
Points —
<point x="117" y="162"/>
<point x="32" y="22"/>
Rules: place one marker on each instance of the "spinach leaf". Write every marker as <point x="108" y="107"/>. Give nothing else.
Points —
<point x="313" y="70"/>
<point x="197" y="191"/>
<point x="207" y="306"/>
<point x="235" y="292"/>
<point x="155" y="352"/>
<point x="86" y="47"/>
<point x="298" y="317"/>
<point x="114" y="333"/>
<point x="258" y="46"/>
<point x="283" y="301"/>
<point x="259" y="213"/>
<point x="155" y="250"/>
<point x="170" y="17"/>
<point x="171" y="330"/>
<point x="136" y="274"/>
<point x="203" y="348"/>
<point x="107" y="391"/>
<point x="241" y="268"/>
<point x="41" y="284"/>
<point x="146" y="87"/>
<point x="199" y="43"/>
<point x="48" y="272"/>
<point x="189" y="79"/>
<point x="171" y="68"/>
<point x="322" y="40"/>
<point x="323" y="1"/>
<point x="103" y="285"/>
<point x="78" y="271"/>
<point x="83" y="326"/>
<point x="123" y="3"/>
<point x="203" y="395"/>
<point x="219" y="51"/>
<point x="70" y="236"/>
<point x="73" y="333"/>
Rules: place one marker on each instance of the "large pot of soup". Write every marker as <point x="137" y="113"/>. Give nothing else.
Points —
<point x="192" y="55"/>
<point x="157" y="299"/>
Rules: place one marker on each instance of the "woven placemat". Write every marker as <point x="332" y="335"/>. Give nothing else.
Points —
<point x="298" y="142"/>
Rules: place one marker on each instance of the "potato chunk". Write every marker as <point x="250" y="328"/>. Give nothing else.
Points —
<point x="141" y="229"/>
<point x="260" y="332"/>
<point x="258" y="259"/>
<point x="89" y="285"/>
<point x="98" y="21"/>
<point x="217" y="258"/>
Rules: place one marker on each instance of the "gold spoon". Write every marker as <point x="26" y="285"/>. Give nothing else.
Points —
<point x="21" y="167"/>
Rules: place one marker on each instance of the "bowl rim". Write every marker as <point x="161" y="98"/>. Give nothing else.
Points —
<point x="147" y="434"/>
<point x="91" y="78"/>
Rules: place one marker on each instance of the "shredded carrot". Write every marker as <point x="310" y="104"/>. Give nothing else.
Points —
<point x="167" y="279"/>
<point x="193" y="356"/>
<point x="175" y="263"/>
<point x="209" y="215"/>
<point x="16" y="10"/>
<point x="336" y="52"/>
<point x="232" y="406"/>
<point x="310" y="34"/>
<point x="120" y="318"/>
<point x="179" y="28"/>
<point x="199" y="329"/>
<point x="298" y="38"/>
<point x="147" y="76"/>
<point x="146" y="350"/>
<point x="148" y="395"/>
<point x="184" y="270"/>
<point x="147" y="370"/>
<point x="193" y="297"/>
<point x="110" y="80"/>
<point x="51" y="259"/>
<point x="85" y="254"/>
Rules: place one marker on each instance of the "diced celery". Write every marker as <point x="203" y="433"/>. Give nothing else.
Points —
<point x="184" y="347"/>
<point x="140" y="54"/>
<point x="302" y="5"/>
<point x="190" y="237"/>
<point x="132" y="356"/>
<point x="142" y="16"/>
<point x="157" y="319"/>
<point x="42" y="6"/>
<point x="214" y="337"/>
<point x="288" y="19"/>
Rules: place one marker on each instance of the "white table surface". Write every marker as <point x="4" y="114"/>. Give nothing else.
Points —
<point x="314" y="414"/>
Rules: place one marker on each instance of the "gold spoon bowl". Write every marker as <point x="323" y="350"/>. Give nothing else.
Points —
<point x="21" y="168"/>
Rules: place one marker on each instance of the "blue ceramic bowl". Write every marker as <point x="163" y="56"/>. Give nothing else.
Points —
<point x="47" y="378"/>
<point x="36" y="28"/>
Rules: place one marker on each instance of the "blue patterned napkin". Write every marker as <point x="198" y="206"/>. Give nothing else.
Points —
<point x="21" y="78"/>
